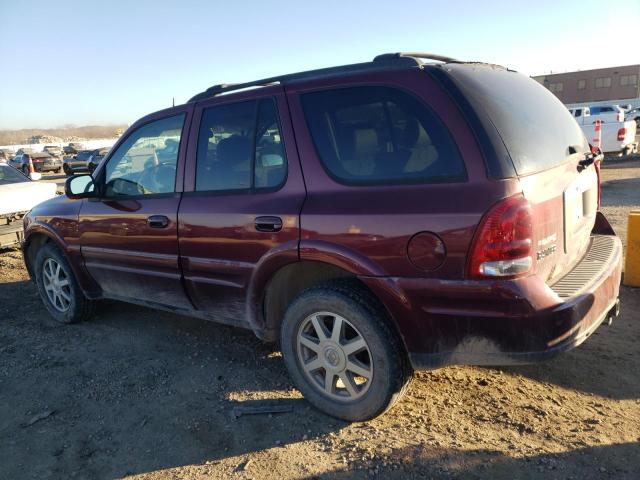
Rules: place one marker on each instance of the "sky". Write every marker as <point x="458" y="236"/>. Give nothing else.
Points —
<point x="102" y="62"/>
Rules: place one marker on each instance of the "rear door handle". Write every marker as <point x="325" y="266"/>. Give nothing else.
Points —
<point x="158" y="221"/>
<point x="268" y="224"/>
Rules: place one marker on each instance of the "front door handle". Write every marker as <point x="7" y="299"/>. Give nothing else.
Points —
<point x="158" y="221"/>
<point x="268" y="224"/>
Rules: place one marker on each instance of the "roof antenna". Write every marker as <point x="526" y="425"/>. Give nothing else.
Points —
<point x="173" y="101"/>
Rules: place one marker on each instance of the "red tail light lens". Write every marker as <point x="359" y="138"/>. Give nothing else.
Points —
<point x="502" y="244"/>
<point x="622" y="133"/>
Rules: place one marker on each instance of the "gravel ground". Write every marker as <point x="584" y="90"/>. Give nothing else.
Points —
<point x="152" y="395"/>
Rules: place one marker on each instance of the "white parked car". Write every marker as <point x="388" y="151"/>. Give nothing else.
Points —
<point x="18" y="195"/>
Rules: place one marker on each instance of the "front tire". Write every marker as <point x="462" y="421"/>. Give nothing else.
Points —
<point x="58" y="287"/>
<point x="342" y="353"/>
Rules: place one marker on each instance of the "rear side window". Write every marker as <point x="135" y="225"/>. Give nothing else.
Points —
<point x="533" y="124"/>
<point x="240" y="147"/>
<point x="380" y="135"/>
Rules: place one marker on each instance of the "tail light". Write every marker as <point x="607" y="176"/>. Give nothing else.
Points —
<point x="622" y="132"/>
<point x="502" y="244"/>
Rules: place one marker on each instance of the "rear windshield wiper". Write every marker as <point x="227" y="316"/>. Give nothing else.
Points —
<point x="589" y="158"/>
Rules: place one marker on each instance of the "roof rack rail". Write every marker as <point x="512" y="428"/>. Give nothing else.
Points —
<point x="230" y="87"/>
<point x="384" y="61"/>
<point x="421" y="55"/>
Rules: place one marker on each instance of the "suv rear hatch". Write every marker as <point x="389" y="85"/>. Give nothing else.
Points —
<point x="544" y="146"/>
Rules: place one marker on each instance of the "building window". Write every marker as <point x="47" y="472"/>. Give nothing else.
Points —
<point x="582" y="84"/>
<point x="556" y="87"/>
<point x="628" y="80"/>
<point x="603" y="82"/>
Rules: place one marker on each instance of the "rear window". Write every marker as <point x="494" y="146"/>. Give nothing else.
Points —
<point x="534" y="125"/>
<point x="380" y="135"/>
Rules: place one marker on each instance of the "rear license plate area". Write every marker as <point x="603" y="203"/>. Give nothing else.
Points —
<point x="580" y="202"/>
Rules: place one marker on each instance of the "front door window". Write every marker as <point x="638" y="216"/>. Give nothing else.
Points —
<point x="145" y="164"/>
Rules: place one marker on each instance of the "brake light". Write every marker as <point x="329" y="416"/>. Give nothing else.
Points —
<point x="622" y="132"/>
<point x="620" y="117"/>
<point x="502" y="244"/>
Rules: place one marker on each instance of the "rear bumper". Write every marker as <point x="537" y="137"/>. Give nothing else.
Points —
<point x="39" y="167"/>
<point x="76" y="165"/>
<point x="502" y="322"/>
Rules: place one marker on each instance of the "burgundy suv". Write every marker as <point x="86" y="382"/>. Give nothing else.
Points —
<point x="406" y="213"/>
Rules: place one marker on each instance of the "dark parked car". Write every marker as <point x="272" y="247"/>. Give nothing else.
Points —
<point x="73" y="148"/>
<point x="41" y="161"/>
<point x="53" y="150"/>
<point x="374" y="219"/>
<point x="77" y="163"/>
<point x="25" y="150"/>
<point x="95" y="158"/>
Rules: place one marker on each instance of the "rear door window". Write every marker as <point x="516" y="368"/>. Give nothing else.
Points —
<point x="240" y="147"/>
<point x="380" y="135"/>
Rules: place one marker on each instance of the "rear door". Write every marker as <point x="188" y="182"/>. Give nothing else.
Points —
<point x="242" y="200"/>
<point x="129" y="236"/>
<point x="389" y="162"/>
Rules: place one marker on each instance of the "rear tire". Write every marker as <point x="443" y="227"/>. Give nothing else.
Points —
<point x="342" y="353"/>
<point x="58" y="287"/>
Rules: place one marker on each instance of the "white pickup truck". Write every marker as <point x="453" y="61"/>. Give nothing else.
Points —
<point x="616" y="137"/>
<point x="585" y="114"/>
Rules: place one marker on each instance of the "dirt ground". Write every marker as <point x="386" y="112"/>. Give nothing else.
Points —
<point x="152" y="395"/>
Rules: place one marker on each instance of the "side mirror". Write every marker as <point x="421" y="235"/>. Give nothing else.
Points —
<point x="35" y="176"/>
<point x="80" y="186"/>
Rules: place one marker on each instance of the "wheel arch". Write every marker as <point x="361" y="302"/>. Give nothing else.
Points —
<point x="37" y="236"/>
<point x="292" y="279"/>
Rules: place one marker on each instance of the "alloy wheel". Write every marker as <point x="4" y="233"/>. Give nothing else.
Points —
<point x="56" y="285"/>
<point x="334" y="356"/>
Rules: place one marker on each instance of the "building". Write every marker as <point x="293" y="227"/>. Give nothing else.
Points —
<point x="615" y="84"/>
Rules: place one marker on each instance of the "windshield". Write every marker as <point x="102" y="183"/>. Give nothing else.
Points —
<point x="10" y="175"/>
<point x="534" y="125"/>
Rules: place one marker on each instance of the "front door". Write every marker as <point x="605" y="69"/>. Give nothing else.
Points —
<point x="129" y="235"/>
<point x="242" y="200"/>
